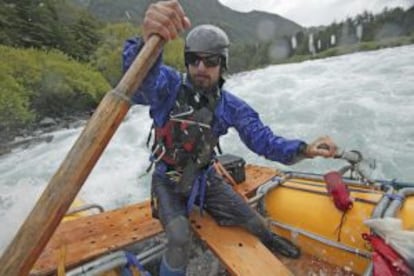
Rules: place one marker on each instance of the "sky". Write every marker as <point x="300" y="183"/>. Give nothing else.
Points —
<point x="309" y="13"/>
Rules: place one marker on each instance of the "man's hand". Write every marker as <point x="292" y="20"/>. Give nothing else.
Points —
<point x="323" y="146"/>
<point x="166" y="19"/>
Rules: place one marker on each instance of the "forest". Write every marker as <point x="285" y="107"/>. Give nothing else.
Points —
<point x="58" y="59"/>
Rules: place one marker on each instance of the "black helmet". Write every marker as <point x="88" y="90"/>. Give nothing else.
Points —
<point x="208" y="39"/>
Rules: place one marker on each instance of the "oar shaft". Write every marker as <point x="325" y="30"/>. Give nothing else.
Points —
<point x="62" y="189"/>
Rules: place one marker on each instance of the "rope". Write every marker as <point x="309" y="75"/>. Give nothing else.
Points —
<point x="224" y="172"/>
<point x="117" y="93"/>
<point x="341" y="223"/>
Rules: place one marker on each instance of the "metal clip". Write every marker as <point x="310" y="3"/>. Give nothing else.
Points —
<point x="182" y="114"/>
<point x="163" y="151"/>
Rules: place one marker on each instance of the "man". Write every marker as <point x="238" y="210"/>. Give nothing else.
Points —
<point x="189" y="113"/>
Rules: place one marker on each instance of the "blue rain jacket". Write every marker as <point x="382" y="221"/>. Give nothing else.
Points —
<point x="161" y="86"/>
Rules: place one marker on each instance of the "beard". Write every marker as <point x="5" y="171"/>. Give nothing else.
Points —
<point x="203" y="82"/>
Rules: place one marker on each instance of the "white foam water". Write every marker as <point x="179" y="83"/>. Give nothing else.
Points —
<point x="365" y="101"/>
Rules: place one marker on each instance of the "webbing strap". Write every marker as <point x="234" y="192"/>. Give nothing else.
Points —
<point x="133" y="261"/>
<point x="199" y="189"/>
<point x="395" y="197"/>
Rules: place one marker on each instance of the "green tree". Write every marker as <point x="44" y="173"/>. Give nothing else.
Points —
<point x="41" y="83"/>
<point x="84" y="37"/>
<point x="408" y="22"/>
<point x="174" y="54"/>
<point x="14" y="103"/>
<point x="302" y="43"/>
<point x="107" y="58"/>
<point x="49" y="24"/>
<point x="34" y="21"/>
<point x="7" y="23"/>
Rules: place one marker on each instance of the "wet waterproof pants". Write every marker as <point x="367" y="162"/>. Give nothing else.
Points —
<point x="221" y="202"/>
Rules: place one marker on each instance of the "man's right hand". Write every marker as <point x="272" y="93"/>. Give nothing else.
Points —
<point x="166" y="19"/>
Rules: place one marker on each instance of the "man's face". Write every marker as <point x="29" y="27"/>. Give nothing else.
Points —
<point x="204" y="69"/>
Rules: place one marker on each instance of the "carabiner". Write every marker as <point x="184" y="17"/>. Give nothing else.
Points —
<point x="185" y="113"/>
<point x="163" y="151"/>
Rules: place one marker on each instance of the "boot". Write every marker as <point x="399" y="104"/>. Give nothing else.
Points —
<point x="166" y="270"/>
<point x="282" y="246"/>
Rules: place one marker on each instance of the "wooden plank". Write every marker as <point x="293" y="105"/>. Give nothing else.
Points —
<point x="241" y="252"/>
<point x="89" y="237"/>
<point x="255" y="176"/>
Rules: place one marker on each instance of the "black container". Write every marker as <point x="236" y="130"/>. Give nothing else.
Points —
<point x="234" y="165"/>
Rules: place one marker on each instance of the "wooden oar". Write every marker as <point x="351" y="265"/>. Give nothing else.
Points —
<point x="62" y="189"/>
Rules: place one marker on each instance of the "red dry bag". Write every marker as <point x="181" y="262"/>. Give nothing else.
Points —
<point x="338" y="190"/>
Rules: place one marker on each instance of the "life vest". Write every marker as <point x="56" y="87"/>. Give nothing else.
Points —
<point x="187" y="136"/>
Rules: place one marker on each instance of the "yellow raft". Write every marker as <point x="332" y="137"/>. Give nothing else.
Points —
<point x="301" y="210"/>
<point x="296" y="205"/>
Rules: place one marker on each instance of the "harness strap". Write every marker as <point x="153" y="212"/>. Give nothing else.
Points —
<point x="199" y="189"/>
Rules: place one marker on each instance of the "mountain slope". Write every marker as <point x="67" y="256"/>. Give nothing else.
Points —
<point x="241" y="27"/>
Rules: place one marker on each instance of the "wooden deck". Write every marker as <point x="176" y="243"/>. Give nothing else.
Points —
<point x="89" y="237"/>
<point x="241" y="252"/>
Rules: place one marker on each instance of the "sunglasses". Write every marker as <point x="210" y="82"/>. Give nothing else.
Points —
<point x="208" y="61"/>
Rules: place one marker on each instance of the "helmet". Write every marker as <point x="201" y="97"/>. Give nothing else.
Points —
<point x="208" y="39"/>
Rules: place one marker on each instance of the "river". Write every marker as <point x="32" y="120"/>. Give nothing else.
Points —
<point x="364" y="101"/>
